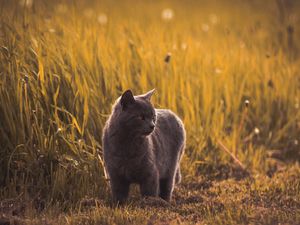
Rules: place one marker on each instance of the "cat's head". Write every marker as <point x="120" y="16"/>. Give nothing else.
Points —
<point x="137" y="113"/>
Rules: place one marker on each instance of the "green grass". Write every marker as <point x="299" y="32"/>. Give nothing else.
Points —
<point x="63" y="64"/>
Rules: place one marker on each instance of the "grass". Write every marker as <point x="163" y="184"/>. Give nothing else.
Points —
<point x="62" y="65"/>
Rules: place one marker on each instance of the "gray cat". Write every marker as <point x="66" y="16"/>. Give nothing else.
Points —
<point x="142" y="145"/>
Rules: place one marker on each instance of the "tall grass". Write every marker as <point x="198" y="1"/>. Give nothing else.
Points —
<point x="62" y="67"/>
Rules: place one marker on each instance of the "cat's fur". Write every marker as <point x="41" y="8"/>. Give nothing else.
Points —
<point x="142" y="145"/>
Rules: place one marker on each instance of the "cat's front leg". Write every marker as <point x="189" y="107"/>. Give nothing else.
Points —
<point x="120" y="189"/>
<point x="150" y="185"/>
<point x="166" y="187"/>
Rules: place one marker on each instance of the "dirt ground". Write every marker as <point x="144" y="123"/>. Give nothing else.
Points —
<point x="225" y="195"/>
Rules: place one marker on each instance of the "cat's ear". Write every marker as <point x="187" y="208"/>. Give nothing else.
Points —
<point x="148" y="95"/>
<point x="127" y="99"/>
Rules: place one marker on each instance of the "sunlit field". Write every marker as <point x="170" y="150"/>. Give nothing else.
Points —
<point x="230" y="69"/>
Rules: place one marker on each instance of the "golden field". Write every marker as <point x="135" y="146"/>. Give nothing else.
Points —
<point x="230" y="69"/>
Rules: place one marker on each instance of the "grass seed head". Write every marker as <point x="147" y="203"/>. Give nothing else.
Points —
<point x="247" y="102"/>
<point x="256" y="131"/>
<point x="168" y="57"/>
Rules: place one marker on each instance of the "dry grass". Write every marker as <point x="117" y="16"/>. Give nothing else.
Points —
<point x="62" y="64"/>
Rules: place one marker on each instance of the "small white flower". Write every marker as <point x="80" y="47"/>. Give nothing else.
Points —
<point x="256" y="130"/>
<point x="218" y="71"/>
<point x="167" y="14"/>
<point x="52" y="30"/>
<point x="102" y="19"/>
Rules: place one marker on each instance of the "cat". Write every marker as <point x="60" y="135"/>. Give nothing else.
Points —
<point x="142" y="145"/>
